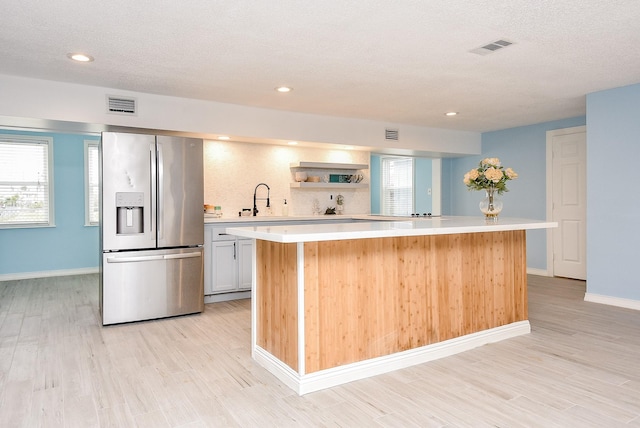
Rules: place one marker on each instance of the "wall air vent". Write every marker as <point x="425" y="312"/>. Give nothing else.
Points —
<point x="391" y="134"/>
<point x="491" y="47"/>
<point x="121" y="105"/>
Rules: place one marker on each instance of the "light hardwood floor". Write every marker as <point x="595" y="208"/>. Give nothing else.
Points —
<point x="579" y="367"/>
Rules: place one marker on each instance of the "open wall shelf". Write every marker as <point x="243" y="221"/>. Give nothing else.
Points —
<point x="328" y="165"/>
<point x="306" y="185"/>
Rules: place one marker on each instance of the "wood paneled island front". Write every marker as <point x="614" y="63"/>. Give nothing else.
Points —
<point x="332" y="303"/>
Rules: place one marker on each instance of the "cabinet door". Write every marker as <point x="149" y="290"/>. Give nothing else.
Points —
<point x="223" y="266"/>
<point x="245" y="263"/>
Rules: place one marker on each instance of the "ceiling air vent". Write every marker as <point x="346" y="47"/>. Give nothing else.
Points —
<point x="391" y="134"/>
<point x="491" y="47"/>
<point x="121" y="105"/>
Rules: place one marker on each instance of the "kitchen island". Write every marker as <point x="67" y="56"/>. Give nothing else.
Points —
<point x="332" y="303"/>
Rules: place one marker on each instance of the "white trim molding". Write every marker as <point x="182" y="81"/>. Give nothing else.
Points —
<point x="47" y="274"/>
<point x="539" y="272"/>
<point x="306" y="383"/>
<point x="612" y="301"/>
<point x="225" y="297"/>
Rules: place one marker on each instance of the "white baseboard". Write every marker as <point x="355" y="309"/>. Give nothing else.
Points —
<point x="225" y="297"/>
<point x="304" y="384"/>
<point x="612" y="301"/>
<point x="47" y="274"/>
<point x="539" y="272"/>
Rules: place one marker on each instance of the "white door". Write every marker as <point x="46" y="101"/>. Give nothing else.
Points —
<point x="568" y="197"/>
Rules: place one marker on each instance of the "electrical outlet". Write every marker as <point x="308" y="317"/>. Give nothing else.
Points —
<point x="429" y="191"/>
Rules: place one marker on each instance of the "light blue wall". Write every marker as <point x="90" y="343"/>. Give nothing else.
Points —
<point x="68" y="245"/>
<point x="524" y="150"/>
<point x="613" y="204"/>
<point x="447" y="180"/>
<point x="374" y="168"/>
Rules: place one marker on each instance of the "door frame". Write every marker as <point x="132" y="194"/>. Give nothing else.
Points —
<point x="549" y="189"/>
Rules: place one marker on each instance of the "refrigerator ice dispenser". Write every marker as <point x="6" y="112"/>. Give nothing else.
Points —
<point x="129" y="212"/>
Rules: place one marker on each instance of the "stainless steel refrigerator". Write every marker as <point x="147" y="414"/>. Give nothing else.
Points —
<point x="151" y="227"/>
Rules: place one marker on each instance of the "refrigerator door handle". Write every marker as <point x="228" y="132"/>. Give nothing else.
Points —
<point x="133" y="259"/>
<point x="182" y="255"/>
<point x="160" y="203"/>
<point x="152" y="190"/>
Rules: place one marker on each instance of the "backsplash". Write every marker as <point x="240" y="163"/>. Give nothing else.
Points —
<point x="233" y="170"/>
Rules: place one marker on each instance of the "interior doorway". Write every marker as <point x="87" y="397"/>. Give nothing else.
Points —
<point x="566" y="202"/>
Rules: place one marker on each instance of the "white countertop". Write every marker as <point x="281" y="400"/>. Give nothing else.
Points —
<point x="380" y="227"/>
<point x="211" y="218"/>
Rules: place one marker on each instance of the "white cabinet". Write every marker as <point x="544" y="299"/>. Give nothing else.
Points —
<point x="326" y="168"/>
<point x="228" y="264"/>
<point x="224" y="275"/>
<point x="245" y="266"/>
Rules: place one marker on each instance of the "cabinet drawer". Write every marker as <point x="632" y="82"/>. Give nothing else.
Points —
<point x="219" y="234"/>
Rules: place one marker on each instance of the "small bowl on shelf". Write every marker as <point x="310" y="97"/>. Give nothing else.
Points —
<point x="301" y="176"/>
<point x="313" y="179"/>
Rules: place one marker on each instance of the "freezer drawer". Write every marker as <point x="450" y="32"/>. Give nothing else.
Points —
<point x="143" y="285"/>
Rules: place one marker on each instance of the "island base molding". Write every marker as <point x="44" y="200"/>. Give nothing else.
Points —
<point x="329" y="312"/>
<point x="304" y="384"/>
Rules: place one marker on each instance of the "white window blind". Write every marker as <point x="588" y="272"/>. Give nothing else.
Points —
<point x="91" y="183"/>
<point x="26" y="187"/>
<point x="397" y="185"/>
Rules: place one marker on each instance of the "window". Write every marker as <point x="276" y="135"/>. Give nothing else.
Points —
<point x="91" y="184"/>
<point x="26" y="181"/>
<point x="397" y="185"/>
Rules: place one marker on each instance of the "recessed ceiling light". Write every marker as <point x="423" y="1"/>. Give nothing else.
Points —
<point x="292" y="143"/>
<point x="80" y="57"/>
<point x="451" y="113"/>
<point x="283" y="89"/>
<point x="223" y="137"/>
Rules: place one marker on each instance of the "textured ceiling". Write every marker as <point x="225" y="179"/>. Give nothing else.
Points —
<point x="394" y="61"/>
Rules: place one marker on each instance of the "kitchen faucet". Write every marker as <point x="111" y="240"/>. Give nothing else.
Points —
<point x="255" y="207"/>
